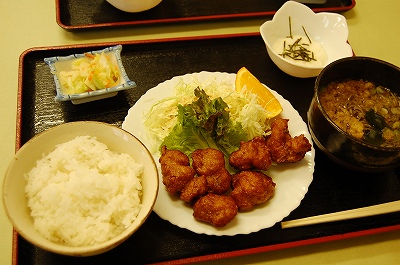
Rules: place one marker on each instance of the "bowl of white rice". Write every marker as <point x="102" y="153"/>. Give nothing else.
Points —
<point x="80" y="188"/>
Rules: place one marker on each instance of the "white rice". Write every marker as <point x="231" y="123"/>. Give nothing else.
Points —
<point x="83" y="194"/>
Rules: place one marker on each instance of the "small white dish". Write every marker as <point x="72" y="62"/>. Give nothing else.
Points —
<point x="134" y="6"/>
<point x="58" y="64"/>
<point x="327" y="30"/>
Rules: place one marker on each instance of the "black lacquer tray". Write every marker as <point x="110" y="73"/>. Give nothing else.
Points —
<point x="150" y="62"/>
<point x="78" y="14"/>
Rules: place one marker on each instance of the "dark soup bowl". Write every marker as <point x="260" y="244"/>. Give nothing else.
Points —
<point x="366" y="141"/>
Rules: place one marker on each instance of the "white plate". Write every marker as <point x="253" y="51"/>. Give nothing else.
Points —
<point x="292" y="180"/>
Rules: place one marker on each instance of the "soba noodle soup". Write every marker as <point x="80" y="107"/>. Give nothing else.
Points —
<point x="364" y="110"/>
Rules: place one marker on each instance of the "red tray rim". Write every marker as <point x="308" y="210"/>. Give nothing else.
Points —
<point x="187" y="19"/>
<point x="250" y="251"/>
<point x="222" y="255"/>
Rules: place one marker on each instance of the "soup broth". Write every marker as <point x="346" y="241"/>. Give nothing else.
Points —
<point x="364" y="110"/>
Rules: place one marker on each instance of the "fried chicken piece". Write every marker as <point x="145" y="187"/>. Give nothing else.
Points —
<point x="251" y="188"/>
<point x="251" y="154"/>
<point x="283" y="147"/>
<point x="207" y="161"/>
<point x="210" y="163"/>
<point x="176" y="170"/>
<point x="220" y="182"/>
<point x="278" y="147"/>
<point x="195" y="188"/>
<point x="217" y="210"/>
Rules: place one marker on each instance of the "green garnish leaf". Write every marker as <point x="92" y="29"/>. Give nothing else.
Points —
<point x="376" y="120"/>
<point x="205" y="123"/>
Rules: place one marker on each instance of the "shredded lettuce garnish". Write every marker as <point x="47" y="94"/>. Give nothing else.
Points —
<point x="89" y="73"/>
<point x="240" y="115"/>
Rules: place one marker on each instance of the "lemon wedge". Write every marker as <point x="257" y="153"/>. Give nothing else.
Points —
<point x="265" y="98"/>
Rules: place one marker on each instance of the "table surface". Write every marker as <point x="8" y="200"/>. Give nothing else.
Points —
<point x="25" y="24"/>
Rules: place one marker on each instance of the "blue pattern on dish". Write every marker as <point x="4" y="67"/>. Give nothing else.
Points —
<point x="125" y="82"/>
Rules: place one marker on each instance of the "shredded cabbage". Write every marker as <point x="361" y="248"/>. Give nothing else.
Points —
<point x="89" y="73"/>
<point x="243" y="108"/>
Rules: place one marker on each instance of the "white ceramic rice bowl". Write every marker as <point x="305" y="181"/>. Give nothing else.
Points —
<point x="118" y="140"/>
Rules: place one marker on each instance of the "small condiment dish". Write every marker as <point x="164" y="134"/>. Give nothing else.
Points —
<point x="327" y="32"/>
<point x="118" y="140"/>
<point x="134" y="6"/>
<point x="59" y="64"/>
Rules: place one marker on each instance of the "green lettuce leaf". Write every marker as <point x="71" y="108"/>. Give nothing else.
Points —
<point x="205" y="123"/>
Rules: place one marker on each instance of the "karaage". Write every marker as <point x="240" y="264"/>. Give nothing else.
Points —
<point x="195" y="188"/>
<point x="251" y="154"/>
<point x="207" y="161"/>
<point x="251" y="188"/>
<point x="284" y="148"/>
<point x="176" y="170"/>
<point x="217" y="210"/>
<point x="210" y="163"/>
